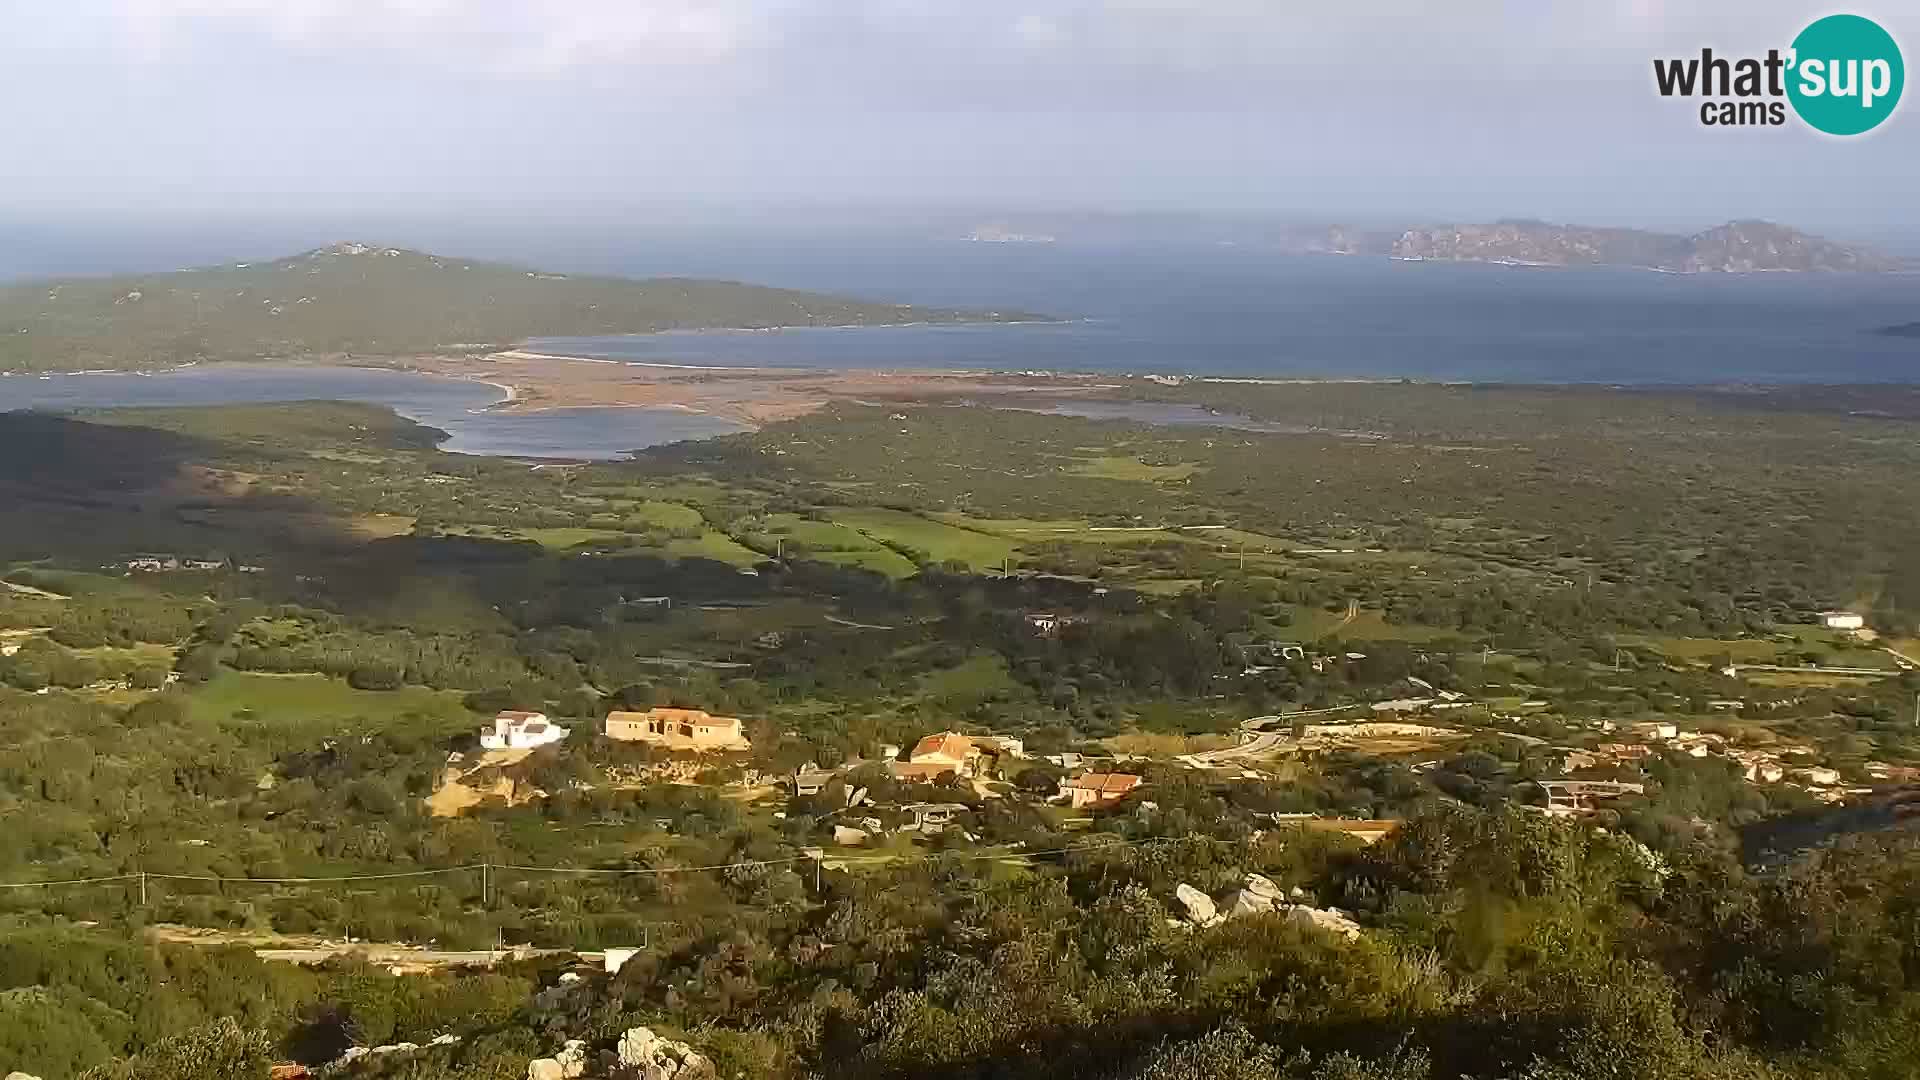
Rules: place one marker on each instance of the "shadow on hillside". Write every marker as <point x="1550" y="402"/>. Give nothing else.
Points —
<point x="75" y="490"/>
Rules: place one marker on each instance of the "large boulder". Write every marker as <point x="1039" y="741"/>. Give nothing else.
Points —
<point x="1244" y="902"/>
<point x="546" y="1069"/>
<point x="651" y="1057"/>
<point x="573" y="1059"/>
<point x="21" y="1076"/>
<point x="1262" y="886"/>
<point x="1198" y="904"/>
<point x="1331" y="920"/>
<point x="848" y="836"/>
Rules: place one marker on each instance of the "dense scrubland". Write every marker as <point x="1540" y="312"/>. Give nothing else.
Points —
<point x="339" y="606"/>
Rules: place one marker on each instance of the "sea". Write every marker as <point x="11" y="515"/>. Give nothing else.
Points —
<point x="1224" y="310"/>
<point x="1239" y="312"/>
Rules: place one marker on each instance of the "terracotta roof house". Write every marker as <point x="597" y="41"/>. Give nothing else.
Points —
<point x="677" y="729"/>
<point x="949" y="747"/>
<point x="1095" y="789"/>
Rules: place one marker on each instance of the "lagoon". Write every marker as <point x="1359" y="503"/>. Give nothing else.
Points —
<point x="459" y="407"/>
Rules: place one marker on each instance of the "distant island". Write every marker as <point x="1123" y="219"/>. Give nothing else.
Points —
<point x="360" y="299"/>
<point x="1911" y="330"/>
<point x="1002" y="234"/>
<point x="1736" y="247"/>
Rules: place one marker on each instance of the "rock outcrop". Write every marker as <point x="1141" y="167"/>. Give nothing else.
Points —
<point x="1331" y="920"/>
<point x="1259" y="895"/>
<point x="654" y="1058"/>
<point x="1199" y="905"/>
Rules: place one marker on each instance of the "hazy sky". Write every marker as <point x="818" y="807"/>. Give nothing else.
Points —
<point x="1336" y="107"/>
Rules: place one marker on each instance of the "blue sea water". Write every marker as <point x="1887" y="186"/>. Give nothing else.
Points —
<point x="1218" y="310"/>
<point x="1237" y="312"/>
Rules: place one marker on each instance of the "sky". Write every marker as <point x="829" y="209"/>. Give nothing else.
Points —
<point x="1387" y="109"/>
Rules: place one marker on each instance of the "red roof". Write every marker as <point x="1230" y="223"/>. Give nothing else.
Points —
<point x="948" y="744"/>
<point x="1107" y="784"/>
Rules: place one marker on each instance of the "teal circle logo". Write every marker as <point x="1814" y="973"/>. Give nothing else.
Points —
<point x="1846" y="75"/>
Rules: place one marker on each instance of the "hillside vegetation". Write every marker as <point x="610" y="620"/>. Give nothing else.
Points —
<point x="351" y="298"/>
<point x="246" y="652"/>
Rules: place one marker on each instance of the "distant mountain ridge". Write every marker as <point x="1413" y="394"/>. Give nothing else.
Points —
<point x="1736" y="247"/>
<point x="354" y="298"/>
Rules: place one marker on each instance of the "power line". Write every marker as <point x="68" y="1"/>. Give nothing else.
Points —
<point x="68" y="881"/>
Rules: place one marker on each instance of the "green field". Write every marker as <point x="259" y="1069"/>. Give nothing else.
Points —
<point x="293" y="701"/>
<point x="828" y="542"/>
<point x="1117" y="467"/>
<point x="712" y="545"/>
<point x="1793" y="646"/>
<point x="939" y="541"/>
<point x="568" y="537"/>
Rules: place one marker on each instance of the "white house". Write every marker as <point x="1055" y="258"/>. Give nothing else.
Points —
<point x="515" y="730"/>
<point x="1843" y="620"/>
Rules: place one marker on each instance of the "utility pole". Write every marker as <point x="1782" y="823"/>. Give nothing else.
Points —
<point x="486" y="884"/>
<point x="143" y="884"/>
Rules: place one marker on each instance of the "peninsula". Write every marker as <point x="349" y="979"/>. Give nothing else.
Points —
<point x="352" y="300"/>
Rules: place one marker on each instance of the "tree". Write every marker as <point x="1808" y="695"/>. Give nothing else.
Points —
<point x="199" y="664"/>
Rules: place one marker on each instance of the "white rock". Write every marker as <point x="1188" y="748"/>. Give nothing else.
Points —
<point x="21" y="1076"/>
<point x="637" y="1046"/>
<point x="1263" y="886"/>
<point x="662" y="1059"/>
<point x="1198" y="904"/>
<point x="849" y="836"/>
<point x="1332" y="920"/>
<point x="1245" y="902"/>
<point x="573" y="1059"/>
<point x="546" y="1069"/>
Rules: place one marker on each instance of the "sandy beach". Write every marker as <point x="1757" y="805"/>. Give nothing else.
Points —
<point x="532" y="381"/>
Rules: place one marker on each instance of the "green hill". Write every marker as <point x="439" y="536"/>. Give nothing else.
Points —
<point x="351" y="298"/>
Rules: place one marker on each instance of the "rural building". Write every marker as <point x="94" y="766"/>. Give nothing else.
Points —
<point x="812" y="781"/>
<point x="1004" y="745"/>
<point x="1759" y="766"/>
<point x="677" y="729"/>
<point x="936" y="756"/>
<point x="1620" y="752"/>
<point x="1842" y="620"/>
<point x="1047" y="623"/>
<point x="1569" y="798"/>
<point x="516" y="730"/>
<point x="1095" y="789"/>
<point x="931" y="817"/>
<point x="154" y="563"/>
